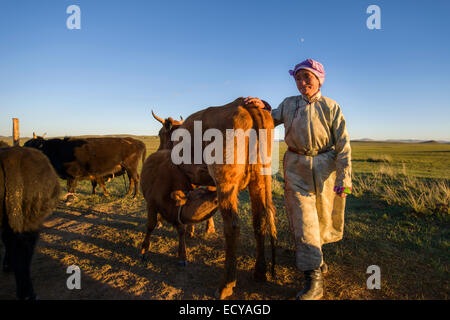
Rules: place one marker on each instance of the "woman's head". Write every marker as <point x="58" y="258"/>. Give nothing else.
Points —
<point x="309" y="76"/>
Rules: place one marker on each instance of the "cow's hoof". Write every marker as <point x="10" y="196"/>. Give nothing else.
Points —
<point x="182" y="263"/>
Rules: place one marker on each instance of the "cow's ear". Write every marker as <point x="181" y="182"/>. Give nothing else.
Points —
<point x="179" y="197"/>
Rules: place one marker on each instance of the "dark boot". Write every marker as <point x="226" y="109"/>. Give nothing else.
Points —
<point x="313" y="289"/>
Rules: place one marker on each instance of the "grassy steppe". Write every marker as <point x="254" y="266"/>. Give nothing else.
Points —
<point x="102" y="236"/>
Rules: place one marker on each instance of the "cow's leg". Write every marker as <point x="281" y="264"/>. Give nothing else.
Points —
<point x="182" y="260"/>
<point x="257" y="198"/>
<point x="102" y="184"/>
<point x="6" y="238"/>
<point x="71" y="185"/>
<point x="227" y="193"/>
<point x="134" y="181"/>
<point x="152" y="219"/>
<point x="22" y="252"/>
<point x="190" y="230"/>
<point x="136" y="184"/>
<point x="94" y="185"/>
<point x="131" y="186"/>
<point x="133" y="175"/>
<point x="210" y="226"/>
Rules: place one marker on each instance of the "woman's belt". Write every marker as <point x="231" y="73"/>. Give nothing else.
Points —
<point x="311" y="153"/>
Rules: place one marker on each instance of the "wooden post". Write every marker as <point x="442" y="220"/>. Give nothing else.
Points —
<point x="16" y="136"/>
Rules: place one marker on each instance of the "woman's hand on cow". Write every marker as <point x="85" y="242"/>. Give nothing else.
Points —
<point x="255" y="101"/>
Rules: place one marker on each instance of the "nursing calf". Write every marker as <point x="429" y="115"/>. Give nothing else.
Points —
<point x="29" y="191"/>
<point x="168" y="192"/>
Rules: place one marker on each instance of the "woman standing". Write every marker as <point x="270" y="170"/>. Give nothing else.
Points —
<point x="317" y="171"/>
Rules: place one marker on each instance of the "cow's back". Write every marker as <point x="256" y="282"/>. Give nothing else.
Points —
<point x="29" y="188"/>
<point x="160" y="176"/>
<point x="98" y="156"/>
<point x="232" y="116"/>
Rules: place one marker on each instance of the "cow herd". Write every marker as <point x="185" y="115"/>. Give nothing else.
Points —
<point x="182" y="194"/>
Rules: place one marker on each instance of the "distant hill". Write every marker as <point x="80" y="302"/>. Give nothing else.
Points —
<point x="403" y="141"/>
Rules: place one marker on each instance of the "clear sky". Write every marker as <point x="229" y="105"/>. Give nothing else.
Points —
<point x="177" y="57"/>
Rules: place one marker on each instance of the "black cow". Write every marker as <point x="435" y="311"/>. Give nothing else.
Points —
<point x="29" y="191"/>
<point x="87" y="158"/>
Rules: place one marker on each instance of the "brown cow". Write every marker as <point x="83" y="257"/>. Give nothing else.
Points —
<point x="168" y="192"/>
<point x="230" y="178"/>
<point x="96" y="180"/>
<point x="164" y="144"/>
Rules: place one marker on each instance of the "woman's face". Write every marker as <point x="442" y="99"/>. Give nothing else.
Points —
<point x="307" y="82"/>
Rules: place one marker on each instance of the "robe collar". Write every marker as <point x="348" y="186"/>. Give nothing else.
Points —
<point x="314" y="98"/>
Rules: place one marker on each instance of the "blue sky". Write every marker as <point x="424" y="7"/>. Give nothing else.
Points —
<point x="177" y="57"/>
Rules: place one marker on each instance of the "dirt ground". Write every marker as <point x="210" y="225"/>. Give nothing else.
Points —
<point x="104" y="241"/>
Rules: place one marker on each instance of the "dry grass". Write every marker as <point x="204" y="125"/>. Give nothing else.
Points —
<point x="400" y="188"/>
<point x="380" y="158"/>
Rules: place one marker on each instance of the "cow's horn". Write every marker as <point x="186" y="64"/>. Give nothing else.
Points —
<point x="158" y="118"/>
<point x="34" y="135"/>
<point x="178" y="123"/>
<point x="43" y="136"/>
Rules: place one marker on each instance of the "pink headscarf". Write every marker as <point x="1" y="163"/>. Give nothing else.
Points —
<point x="313" y="66"/>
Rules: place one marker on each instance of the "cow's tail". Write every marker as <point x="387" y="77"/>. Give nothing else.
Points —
<point x="270" y="219"/>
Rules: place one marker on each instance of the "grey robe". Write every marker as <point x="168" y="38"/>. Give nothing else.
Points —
<point x="315" y="212"/>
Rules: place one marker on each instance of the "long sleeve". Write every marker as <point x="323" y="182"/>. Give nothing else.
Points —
<point x="343" y="150"/>
<point x="278" y="114"/>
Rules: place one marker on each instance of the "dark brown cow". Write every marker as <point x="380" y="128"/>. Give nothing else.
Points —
<point x="230" y="178"/>
<point x="168" y="192"/>
<point x="166" y="144"/>
<point x="83" y="158"/>
<point x="29" y="191"/>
